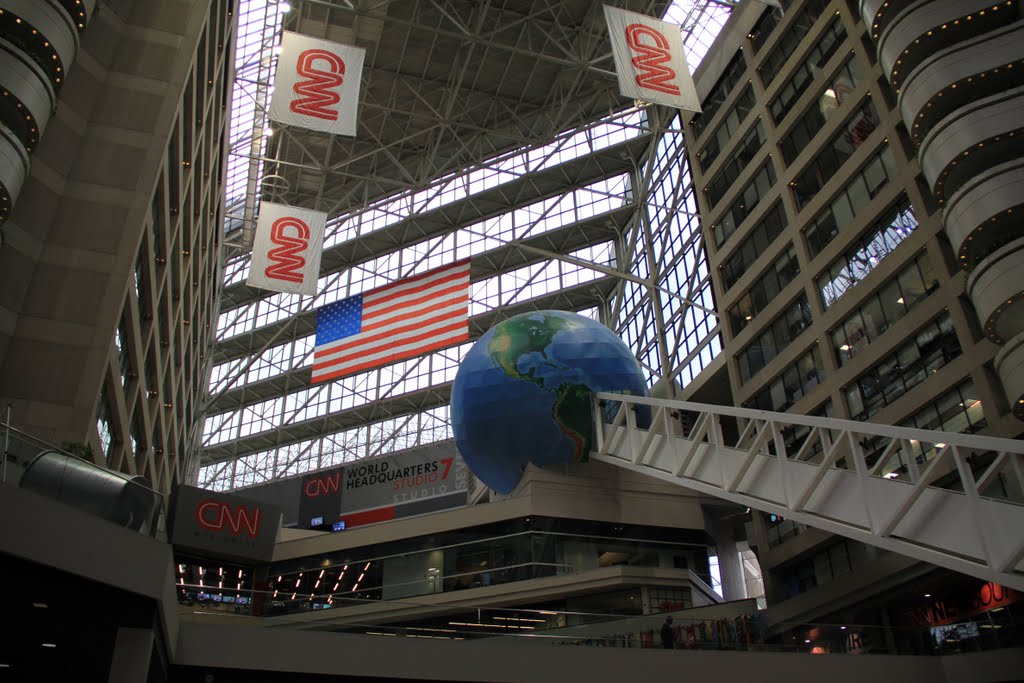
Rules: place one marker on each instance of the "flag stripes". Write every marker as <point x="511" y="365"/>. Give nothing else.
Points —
<point x="400" y="320"/>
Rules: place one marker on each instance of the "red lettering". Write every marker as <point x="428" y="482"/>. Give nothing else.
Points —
<point x="323" y="485"/>
<point x="215" y="515"/>
<point x="287" y="260"/>
<point x="316" y="94"/>
<point x="650" y="60"/>
<point x="447" y="462"/>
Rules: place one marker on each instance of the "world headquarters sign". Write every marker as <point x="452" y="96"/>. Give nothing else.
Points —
<point x="223" y="525"/>
<point x="379" y="489"/>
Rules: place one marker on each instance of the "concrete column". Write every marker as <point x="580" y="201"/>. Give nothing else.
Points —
<point x="132" y="651"/>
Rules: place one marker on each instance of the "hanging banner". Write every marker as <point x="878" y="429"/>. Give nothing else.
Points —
<point x="317" y="84"/>
<point x="649" y="60"/>
<point x="286" y="250"/>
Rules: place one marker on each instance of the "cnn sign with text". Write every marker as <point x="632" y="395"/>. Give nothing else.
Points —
<point x="649" y="60"/>
<point x="286" y="249"/>
<point x="317" y="84"/>
<point x="221" y="524"/>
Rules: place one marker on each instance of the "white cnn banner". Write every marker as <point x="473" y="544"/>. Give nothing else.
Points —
<point x="286" y="250"/>
<point x="649" y="59"/>
<point x="317" y="84"/>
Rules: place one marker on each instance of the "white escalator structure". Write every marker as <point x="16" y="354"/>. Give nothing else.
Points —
<point x="954" y="500"/>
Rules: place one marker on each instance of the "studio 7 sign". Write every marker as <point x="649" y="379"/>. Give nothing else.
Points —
<point x="317" y="84"/>
<point x="649" y="60"/>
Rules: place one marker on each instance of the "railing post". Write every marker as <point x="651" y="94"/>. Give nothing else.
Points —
<point x="7" y="442"/>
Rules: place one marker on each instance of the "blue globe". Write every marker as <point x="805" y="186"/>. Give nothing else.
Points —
<point x="523" y="393"/>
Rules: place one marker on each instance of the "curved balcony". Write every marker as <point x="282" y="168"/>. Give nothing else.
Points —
<point x="80" y="11"/>
<point x="971" y="140"/>
<point x="1009" y="363"/>
<point x="969" y="70"/>
<point x="13" y="170"/>
<point x="38" y="42"/>
<point x="997" y="291"/>
<point x="28" y="98"/>
<point x="985" y="213"/>
<point x="43" y="31"/>
<point x="878" y="14"/>
<point x="929" y="26"/>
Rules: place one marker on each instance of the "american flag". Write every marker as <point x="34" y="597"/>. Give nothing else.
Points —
<point x="401" y="320"/>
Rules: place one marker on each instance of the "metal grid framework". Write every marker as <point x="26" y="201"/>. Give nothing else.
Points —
<point x="492" y="131"/>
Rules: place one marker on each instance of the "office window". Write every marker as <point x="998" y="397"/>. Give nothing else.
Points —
<point x="795" y="436"/>
<point x="756" y="189"/>
<point x="728" y="128"/>
<point x="865" y="254"/>
<point x="744" y="153"/>
<point x="958" y="410"/>
<point x="719" y="93"/>
<point x="883" y="308"/>
<point x="857" y="194"/>
<point x="851" y="135"/>
<point x="804" y="73"/>
<point x="896" y="374"/>
<point x="763" y="28"/>
<point x="779" y="335"/>
<point x="761" y="235"/>
<point x="790" y="386"/>
<point x="833" y="96"/>
<point x="764" y="290"/>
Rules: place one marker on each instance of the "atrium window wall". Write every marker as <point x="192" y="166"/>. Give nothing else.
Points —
<point x="266" y="421"/>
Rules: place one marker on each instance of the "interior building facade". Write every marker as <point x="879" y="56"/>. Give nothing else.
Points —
<point x="831" y="236"/>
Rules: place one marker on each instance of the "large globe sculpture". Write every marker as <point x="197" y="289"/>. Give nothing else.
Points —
<point x="523" y="393"/>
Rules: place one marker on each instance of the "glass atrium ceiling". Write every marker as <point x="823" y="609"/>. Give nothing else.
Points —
<point x="472" y="163"/>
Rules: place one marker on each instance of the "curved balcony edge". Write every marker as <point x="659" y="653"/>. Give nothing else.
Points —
<point x="979" y="218"/>
<point x="946" y="152"/>
<point x="1009" y="365"/>
<point x="924" y="25"/>
<point x="14" y="167"/>
<point x="952" y="78"/>
<point x="997" y="292"/>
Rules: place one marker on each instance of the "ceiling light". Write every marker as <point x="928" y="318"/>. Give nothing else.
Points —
<point x="49" y="645"/>
<point x="40" y="605"/>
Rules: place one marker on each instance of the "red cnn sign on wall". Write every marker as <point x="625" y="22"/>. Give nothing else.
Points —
<point x="322" y="486"/>
<point x="286" y="249"/>
<point x="236" y="520"/>
<point x="649" y="60"/>
<point x="317" y="84"/>
<point x="217" y="524"/>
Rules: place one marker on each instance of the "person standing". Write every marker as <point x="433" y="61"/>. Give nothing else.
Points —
<point x="668" y="636"/>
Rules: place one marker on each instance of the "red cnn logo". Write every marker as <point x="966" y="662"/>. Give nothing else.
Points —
<point x="316" y="95"/>
<point x="651" y="58"/>
<point x="215" y="515"/>
<point x="323" y="485"/>
<point x="286" y="259"/>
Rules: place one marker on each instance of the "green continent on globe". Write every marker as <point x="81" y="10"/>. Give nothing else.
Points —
<point x="572" y="413"/>
<point x="571" y="409"/>
<point x="519" y="336"/>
